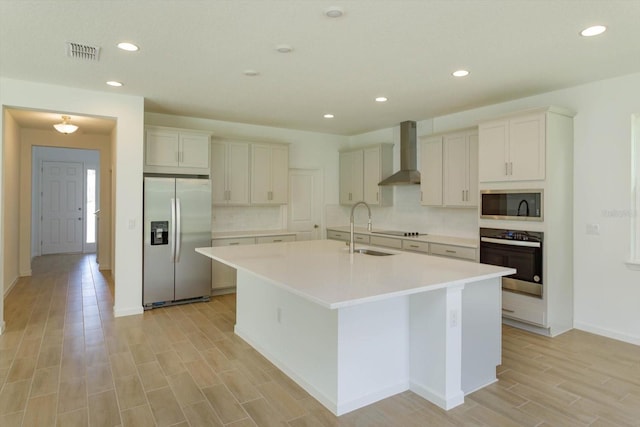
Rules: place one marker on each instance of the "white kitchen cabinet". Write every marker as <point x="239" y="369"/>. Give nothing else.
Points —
<point x="388" y="242"/>
<point x="513" y="149"/>
<point x="276" y="239"/>
<point x="415" y="246"/>
<point x="351" y="177"/>
<point x="360" y="172"/>
<point x="449" y="169"/>
<point x="378" y="165"/>
<point x="452" y="251"/>
<point x="269" y="174"/>
<point x="230" y="172"/>
<point x="176" y="151"/>
<point x="431" y="171"/>
<point x="460" y="169"/>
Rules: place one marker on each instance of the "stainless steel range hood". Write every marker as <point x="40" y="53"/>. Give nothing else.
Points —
<point x="408" y="173"/>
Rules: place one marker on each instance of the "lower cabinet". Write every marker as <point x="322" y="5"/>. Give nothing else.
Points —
<point x="223" y="277"/>
<point x="524" y="308"/>
<point x="452" y="251"/>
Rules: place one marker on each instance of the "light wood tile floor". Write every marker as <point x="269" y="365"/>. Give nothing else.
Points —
<point x="66" y="361"/>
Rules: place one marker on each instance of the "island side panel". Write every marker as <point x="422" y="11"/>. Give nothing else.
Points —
<point x="481" y="333"/>
<point x="435" y="349"/>
<point x="373" y="352"/>
<point x="296" y="335"/>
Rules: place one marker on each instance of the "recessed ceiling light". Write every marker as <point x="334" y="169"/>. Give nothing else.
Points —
<point x="114" y="83"/>
<point x="381" y="99"/>
<point x="284" y="48"/>
<point x="129" y="47"/>
<point x="251" y="73"/>
<point x="328" y="116"/>
<point x="593" y="31"/>
<point x="460" y="73"/>
<point x="334" y="12"/>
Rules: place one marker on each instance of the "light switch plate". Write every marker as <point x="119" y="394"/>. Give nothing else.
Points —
<point x="593" y="229"/>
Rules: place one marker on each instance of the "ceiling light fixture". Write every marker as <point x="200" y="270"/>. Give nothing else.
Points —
<point x="129" y="47"/>
<point x="460" y="73"/>
<point x="593" y="31"/>
<point x="114" y="83"/>
<point x="381" y="99"/>
<point x="328" y="116"/>
<point x="65" y="127"/>
<point x="250" y="73"/>
<point x="334" y="12"/>
<point x="284" y="48"/>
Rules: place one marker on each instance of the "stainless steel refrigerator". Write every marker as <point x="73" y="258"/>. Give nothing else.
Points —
<point x="177" y="219"/>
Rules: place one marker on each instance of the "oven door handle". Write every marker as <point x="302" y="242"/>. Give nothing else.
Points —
<point x="509" y="242"/>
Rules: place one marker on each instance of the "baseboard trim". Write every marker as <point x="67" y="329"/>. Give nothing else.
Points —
<point x="2" y="326"/>
<point x="11" y="286"/>
<point x="130" y="311"/>
<point x="631" y="339"/>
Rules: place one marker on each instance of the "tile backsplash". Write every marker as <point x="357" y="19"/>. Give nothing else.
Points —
<point x="247" y="218"/>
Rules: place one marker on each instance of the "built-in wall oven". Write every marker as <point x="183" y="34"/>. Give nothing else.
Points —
<point x="517" y="249"/>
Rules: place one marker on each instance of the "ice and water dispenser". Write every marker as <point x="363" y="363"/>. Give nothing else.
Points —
<point x="159" y="232"/>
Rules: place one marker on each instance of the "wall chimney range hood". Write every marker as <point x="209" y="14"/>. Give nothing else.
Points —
<point x="408" y="173"/>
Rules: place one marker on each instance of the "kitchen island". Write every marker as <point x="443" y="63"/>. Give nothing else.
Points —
<point x="352" y="329"/>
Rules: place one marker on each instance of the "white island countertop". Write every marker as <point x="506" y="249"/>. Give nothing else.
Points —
<point x="324" y="272"/>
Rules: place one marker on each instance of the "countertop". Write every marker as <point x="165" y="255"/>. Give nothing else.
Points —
<point x="324" y="272"/>
<point x="429" y="238"/>
<point x="250" y="233"/>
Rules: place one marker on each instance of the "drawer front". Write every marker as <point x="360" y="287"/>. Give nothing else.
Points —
<point x="410" y="245"/>
<point x="453" y="251"/>
<point x="523" y="308"/>
<point x="360" y="238"/>
<point x="386" y="241"/>
<point x="276" y="239"/>
<point x="338" y="235"/>
<point x="234" y="242"/>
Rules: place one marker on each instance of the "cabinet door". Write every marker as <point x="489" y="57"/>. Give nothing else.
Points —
<point x="260" y="174"/>
<point x="161" y="148"/>
<point x="237" y="173"/>
<point x="527" y="147"/>
<point x="492" y="153"/>
<point x="218" y="173"/>
<point x="351" y="177"/>
<point x="455" y="170"/>
<point x="431" y="171"/>
<point x="472" y="176"/>
<point x="194" y="150"/>
<point x="279" y="175"/>
<point x="371" y="176"/>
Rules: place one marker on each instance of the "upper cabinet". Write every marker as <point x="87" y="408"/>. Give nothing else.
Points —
<point x="360" y="172"/>
<point x="269" y="174"/>
<point x="176" y="151"/>
<point x="351" y="177"/>
<point x="229" y="172"/>
<point x="513" y="149"/>
<point x="449" y="169"/>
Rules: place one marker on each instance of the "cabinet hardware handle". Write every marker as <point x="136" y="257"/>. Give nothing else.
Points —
<point x="463" y="195"/>
<point x="414" y="246"/>
<point x="277" y="240"/>
<point x="377" y="197"/>
<point x="233" y="243"/>
<point x="449" y="251"/>
<point x="510" y="168"/>
<point x="506" y="168"/>
<point x="508" y="311"/>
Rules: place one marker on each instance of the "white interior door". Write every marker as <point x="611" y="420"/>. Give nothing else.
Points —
<point x="305" y="203"/>
<point x="62" y="218"/>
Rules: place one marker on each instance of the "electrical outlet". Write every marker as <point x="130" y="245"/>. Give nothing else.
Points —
<point x="453" y="318"/>
<point x="593" y="229"/>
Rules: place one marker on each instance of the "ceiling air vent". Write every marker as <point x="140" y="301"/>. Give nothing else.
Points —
<point x="83" y="51"/>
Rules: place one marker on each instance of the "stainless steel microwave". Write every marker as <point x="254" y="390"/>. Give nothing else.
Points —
<point x="521" y="205"/>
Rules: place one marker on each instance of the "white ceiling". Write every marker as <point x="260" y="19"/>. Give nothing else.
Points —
<point x="193" y="54"/>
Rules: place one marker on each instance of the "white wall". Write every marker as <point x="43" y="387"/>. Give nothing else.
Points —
<point x="129" y="113"/>
<point x="606" y="291"/>
<point x="9" y="209"/>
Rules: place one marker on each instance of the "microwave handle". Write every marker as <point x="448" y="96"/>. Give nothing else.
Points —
<point x="510" y="242"/>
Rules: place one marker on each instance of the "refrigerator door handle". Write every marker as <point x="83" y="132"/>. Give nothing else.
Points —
<point x="172" y="237"/>
<point x="178" y="230"/>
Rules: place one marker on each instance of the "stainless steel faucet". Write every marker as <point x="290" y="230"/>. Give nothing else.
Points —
<point x="351" y="226"/>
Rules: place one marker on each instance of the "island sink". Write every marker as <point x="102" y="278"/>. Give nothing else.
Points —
<point x="371" y="252"/>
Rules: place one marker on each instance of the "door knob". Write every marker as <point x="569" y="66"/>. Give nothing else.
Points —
<point x="79" y="219"/>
